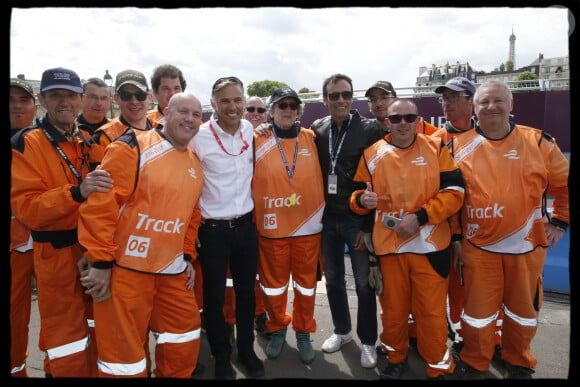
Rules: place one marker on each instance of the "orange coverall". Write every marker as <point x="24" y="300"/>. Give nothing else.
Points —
<point x="145" y="224"/>
<point x="422" y="179"/>
<point x="45" y="196"/>
<point x="289" y="224"/>
<point x="504" y="237"/>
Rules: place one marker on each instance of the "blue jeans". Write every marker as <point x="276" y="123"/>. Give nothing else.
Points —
<point x="338" y="230"/>
<point x="237" y="247"/>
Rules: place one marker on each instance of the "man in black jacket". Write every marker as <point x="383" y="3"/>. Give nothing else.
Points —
<point x="341" y="139"/>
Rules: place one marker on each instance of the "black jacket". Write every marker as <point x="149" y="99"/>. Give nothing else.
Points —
<point x="360" y="134"/>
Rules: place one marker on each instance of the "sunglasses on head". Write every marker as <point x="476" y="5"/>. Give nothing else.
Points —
<point x="336" y="95"/>
<point x="127" y="95"/>
<point x="233" y="80"/>
<point x="284" y="105"/>
<point x="397" y="118"/>
<point x="251" y="109"/>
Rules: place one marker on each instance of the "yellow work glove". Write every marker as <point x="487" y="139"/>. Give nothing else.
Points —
<point x="375" y="275"/>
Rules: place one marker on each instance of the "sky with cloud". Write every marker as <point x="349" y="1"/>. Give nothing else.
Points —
<point x="297" y="46"/>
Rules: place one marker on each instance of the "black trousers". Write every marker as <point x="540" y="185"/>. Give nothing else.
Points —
<point x="238" y="247"/>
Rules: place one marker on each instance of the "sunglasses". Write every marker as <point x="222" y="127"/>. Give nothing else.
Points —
<point x="397" y="118"/>
<point x="251" y="109"/>
<point x="233" y="80"/>
<point x="335" y="96"/>
<point x="127" y="95"/>
<point x="284" y="105"/>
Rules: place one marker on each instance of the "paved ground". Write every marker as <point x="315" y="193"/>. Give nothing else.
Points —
<point x="551" y="346"/>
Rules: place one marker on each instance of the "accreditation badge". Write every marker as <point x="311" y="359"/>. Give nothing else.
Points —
<point x="332" y="184"/>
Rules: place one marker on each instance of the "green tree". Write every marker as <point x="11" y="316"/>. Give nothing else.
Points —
<point x="305" y="90"/>
<point x="509" y="65"/>
<point x="502" y="67"/>
<point x="526" y="76"/>
<point x="264" y="88"/>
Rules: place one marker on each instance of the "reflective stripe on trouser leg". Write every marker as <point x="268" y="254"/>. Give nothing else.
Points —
<point x="281" y="259"/>
<point x="305" y="252"/>
<point x="63" y="311"/>
<point x="484" y="288"/>
<point x="522" y="303"/>
<point x="176" y="328"/>
<point x="118" y="369"/>
<point x="68" y="349"/>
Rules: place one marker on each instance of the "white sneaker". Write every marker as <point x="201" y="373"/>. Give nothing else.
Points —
<point x="368" y="356"/>
<point x="334" y="342"/>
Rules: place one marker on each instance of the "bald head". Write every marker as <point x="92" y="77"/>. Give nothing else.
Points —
<point x="182" y="119"/>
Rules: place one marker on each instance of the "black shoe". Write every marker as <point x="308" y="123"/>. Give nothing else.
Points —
<point x="223" y="368"/>
<point x="260" y="322"/>
<point x="253" y="366"/>
<point x="198" y="371"/>
<point x="232" y="329"/>
<point x="466" y="372"/>
<point x="497" y="354"/>
<point x="456" y="350"/>
<point x="394" y="371"/>
<point x="517" y="372"/>
<point x="202" y="317"/>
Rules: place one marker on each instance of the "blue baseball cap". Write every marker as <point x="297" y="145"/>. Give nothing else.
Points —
<point x="457" y="84"/>
<point x="60" y="78"/>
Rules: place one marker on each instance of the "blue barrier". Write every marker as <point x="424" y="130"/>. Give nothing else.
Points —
<point x="556" y="273"/>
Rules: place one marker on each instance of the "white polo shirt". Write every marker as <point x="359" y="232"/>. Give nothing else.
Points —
<point x="227" y="168"/>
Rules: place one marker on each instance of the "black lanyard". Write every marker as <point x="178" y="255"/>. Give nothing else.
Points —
<point x="62" y="154"/>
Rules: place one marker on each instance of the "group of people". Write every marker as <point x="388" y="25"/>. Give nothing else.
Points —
<point x="155" y="222"/>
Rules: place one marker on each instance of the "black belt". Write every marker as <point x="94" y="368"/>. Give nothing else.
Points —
<point x="58" y="239"/>
<point x="228" y="223"/>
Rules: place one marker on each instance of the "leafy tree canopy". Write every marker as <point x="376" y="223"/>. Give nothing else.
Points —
<point x="264" y="88"/>
<point x="526" y="75"/>
<point x="509" y="65"/>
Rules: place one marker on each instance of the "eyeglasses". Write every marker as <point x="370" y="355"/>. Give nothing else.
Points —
<point x="397" y="118"/>
<point x="336" y="95"/>
<point x="251" y="109"/>
<point x="127" y="95"/>
<point x="233" y="80"/>
<point x="451" y="98"/>
<point x="284" y="105"/>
